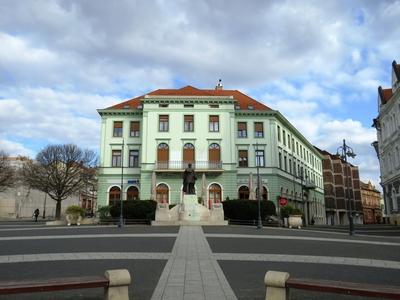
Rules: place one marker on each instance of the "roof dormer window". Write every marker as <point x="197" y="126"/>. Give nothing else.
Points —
<point x="250" y="107"/>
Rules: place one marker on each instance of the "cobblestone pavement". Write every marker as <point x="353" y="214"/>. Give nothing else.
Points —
<point x="193" y="262"/>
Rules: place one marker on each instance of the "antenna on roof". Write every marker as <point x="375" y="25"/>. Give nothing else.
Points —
<point x="219" y="85"/>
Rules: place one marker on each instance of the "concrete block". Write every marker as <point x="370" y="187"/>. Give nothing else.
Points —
<point x="275" y="283"/>
<point x="118" y="288"/>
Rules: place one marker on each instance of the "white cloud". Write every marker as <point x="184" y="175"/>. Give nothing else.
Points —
<point x="15" y="149"/>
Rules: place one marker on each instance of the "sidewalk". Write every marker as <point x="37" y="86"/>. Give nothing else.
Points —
<point x="192" y="272"/>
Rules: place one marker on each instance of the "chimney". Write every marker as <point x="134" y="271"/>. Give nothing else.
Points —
<point x="219" y="85"/>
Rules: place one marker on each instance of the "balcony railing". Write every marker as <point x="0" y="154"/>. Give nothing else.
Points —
<point x="181" y="165"/>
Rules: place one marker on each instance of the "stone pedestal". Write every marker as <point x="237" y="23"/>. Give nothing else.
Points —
<point x="190" y="209"/>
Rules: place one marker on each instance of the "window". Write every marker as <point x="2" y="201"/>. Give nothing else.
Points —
<point x="188" y="153"/>
<point x="214" y="155"/>
<point x="243" y="158"/>
<point x="280" y="160"/>
<point x="288" y="140"/>
<point x="135" y="129"/>
<point x="214" y="105"/>
<point x="134" y="158"/>
<point x="188" y="125"/>
<point x="264" y="195"/>
<point x="279" y="134"/>
<point x="242" y="129"/>
<point x="163" y="123"/>
<point x="117" y="132"/>
<point x="114" y="195"/>
<point x="162" y="192"/>
<point x="244" y="193"/>
<point x="284" y="137"/>
<point x="259" y="158"/>
<point x="258" y="130"/>
<point x="116" y="158"/>
<point x="188" y="105"/>
<point x="290" y="166"/>
<point x="214" y="194"/>
<point x="285" y="162"/>
<point x="214" y="123"/>
<point x="132" y="193"/>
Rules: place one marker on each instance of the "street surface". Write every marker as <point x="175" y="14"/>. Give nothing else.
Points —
<point x="194" y="262"/>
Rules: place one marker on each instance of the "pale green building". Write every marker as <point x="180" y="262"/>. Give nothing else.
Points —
<point x="224" y="134"/>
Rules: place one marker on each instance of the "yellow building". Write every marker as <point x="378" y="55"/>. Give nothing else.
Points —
<point x="371" y="201"/>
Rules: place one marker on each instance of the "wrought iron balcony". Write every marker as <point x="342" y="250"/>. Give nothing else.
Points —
<point x="179" y="166"/>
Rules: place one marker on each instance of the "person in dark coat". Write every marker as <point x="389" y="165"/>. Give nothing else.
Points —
<point x="189" y="178"/>
<point x="36" y="214"/>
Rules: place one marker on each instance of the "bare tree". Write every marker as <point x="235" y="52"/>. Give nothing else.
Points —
<point x="60" y="171"/>
<point x="7" y="173"/>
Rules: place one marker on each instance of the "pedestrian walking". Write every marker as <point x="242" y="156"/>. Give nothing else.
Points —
<point x="36" y="214"/>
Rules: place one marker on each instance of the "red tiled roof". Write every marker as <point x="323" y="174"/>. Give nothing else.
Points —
<point x="385" y="94"/>
<point x="243" y="100"/>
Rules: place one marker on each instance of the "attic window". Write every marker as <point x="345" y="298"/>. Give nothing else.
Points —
<point x="126" y="106"/>
<point x="250" y="107"/>
<point x="188" y="105"/>
<point x="214" y="106"/>
<point x="163" y="105"/>
<point x="237" y="107"/>
<point x="139" y="107"/>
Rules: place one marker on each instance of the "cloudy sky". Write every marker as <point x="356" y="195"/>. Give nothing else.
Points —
<point x="318" y="62"/>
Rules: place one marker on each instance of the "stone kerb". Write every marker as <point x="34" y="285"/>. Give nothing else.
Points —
<point x="275" y="283"/>
<point x="118" y="288"/>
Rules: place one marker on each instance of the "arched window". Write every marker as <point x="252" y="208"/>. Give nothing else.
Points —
<point x="188" y="154"/>
<point x="244" y="193"/>
<point x="214" y="194"/>
<point x="132" y="193"/>
<point x="264" y="195"/>
<point x="162" y="192"/>
<point x="114" y="195"/>
<point x="163" y="155"/>
<point x="214" y="155"/>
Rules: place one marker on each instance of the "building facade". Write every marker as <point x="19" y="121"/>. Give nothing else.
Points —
<point x="20" y="201"/>
<point x="371" y="202"/>
<point x="341" y="189"/>
<point x="387" y="125"/>
<point x="146" y="143"/>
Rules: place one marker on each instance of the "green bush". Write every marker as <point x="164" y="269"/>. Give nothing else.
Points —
<point x="136" y="209"/>
<point x="247" y="209"/>
<point x="290" y="210"/>
<point x="75" y="210"/>
<point x="104" y="213"/>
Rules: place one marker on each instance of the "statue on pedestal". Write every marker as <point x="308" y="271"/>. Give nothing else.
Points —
<point x="189" y="178"/>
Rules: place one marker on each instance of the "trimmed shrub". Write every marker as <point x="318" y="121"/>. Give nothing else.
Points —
<point x="75" y="210"/>
<point x="247" y="209"/>
<point x="104" y="213"/>
<point x="136" y="209"/>
<point x="290" y="210"/>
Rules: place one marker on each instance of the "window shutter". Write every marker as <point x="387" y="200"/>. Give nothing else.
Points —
<point x="214" y="118"/>
<point x="258" y="126"/>
<point x="135" y="126"/>
<point x="188" y="118"/>
<point x="117" y="124"/>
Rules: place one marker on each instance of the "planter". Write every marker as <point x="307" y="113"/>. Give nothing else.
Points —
<point x="73" y="219"/>
<point x="295" y="221"/>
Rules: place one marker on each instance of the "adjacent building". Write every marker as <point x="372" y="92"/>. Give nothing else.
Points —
<point x="227" y="136"/>
<point x="387" y="125"/>
<point x="371" y="203"/>
<point x="341" y="189"/>
<point x="20" y="201"/>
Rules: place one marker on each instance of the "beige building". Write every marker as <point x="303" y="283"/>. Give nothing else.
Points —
<point x="371" y="202"/>
<point x="20" y="201"/>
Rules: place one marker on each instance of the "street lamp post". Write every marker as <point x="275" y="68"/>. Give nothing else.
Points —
<point x="345" y="151"/>
<point x="259" y="223"/>
<point x="121" y="218"/>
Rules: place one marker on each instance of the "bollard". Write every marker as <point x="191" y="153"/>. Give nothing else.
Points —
<point x="118" y="288"/>
<point x="275" y="283"/>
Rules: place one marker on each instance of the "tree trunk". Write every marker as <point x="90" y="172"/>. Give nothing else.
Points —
<point x="58" y="209"/>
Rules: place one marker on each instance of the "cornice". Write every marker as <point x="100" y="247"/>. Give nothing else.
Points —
<point x="119" y="112"/>
<point x="189" y="99"/>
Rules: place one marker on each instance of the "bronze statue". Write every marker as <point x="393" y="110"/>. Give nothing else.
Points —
<point x="189" y="178"/>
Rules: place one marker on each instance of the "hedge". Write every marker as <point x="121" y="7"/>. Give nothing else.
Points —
<point x="247" y="209"/>
<point x="136" y="209"/>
